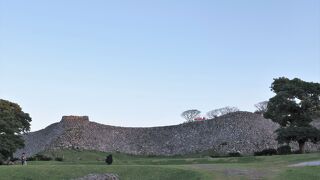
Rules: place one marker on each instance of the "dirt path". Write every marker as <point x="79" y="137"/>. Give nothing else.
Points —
<point x="310" y="163"/>
<point x="252" y="174"/>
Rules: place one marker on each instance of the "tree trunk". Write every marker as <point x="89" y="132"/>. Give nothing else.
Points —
<point x="301" y="146"/>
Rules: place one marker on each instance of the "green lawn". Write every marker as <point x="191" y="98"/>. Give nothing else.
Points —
<point x="81" y="163"/>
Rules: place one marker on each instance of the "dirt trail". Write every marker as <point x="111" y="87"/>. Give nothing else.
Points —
<point x="252" y="174"/>
<point x="310" y="163"/>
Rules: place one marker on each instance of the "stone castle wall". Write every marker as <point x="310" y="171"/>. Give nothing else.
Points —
<point x="242" y="132"/>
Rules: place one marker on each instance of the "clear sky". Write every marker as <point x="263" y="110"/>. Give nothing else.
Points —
<point x="141" y="63"/>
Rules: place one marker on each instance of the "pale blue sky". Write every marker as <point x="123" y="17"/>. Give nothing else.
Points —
<point x="141" y="63"/>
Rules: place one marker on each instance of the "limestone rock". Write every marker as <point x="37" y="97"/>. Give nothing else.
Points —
<point x="107" y="176"/>
<point x="242" y="132"/>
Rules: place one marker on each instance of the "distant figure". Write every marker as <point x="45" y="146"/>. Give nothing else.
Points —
<point x="23" y="159"/>
<point x="109" y="159"/>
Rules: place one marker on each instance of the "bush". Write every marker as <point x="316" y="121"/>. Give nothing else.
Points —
<point x="109" y="159"/>
<point x="45" y="158"/>
<point x="58" y="159"/>
<point x="284" y="150"/>
<point x="296" y="152"/>
<point x="266" y="152"/>
<point x="39" y="157"/>
<point x="1" y="160"/>
<point x="14" y="159"/>
<point x="31" y="158"/>
<point x="234" y="154"/>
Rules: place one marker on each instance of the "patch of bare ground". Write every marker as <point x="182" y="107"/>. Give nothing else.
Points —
<point x="249" y="173"/>
<point x="310" y="163"/>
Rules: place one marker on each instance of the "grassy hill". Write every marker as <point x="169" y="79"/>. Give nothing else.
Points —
<point x="198" y="166"/>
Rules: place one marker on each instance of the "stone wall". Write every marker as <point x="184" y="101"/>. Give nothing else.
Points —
<point x="41" y="140"/>
<point x="242" y="132"/>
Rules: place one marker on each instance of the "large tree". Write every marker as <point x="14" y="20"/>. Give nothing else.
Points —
<point x="189" y="115"/>
<point x="261" y="107"/>
<point x="221" y="111"/>
<point x="13" y="122"/>
<point x="293" y="107"/>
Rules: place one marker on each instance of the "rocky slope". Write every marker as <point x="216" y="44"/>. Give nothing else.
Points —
<point x="242" y="132"/>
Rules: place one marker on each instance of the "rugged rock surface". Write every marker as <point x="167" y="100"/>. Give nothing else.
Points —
<point x="242" y="132"/>
<point x="40" y="140"/>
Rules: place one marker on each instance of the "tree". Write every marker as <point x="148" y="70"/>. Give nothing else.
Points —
<point x="261" y="107"/>
<point x="189" y="115"/>
<point x="13" y="122"/>
<point x="221" y="111"/>
<point x="293" y="107"/>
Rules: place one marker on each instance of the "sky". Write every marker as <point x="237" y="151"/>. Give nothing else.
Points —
<point x="142" y="63"/>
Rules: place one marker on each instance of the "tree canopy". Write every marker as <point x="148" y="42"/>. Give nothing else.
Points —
<point x="261" y="107"/>
<point x="189" y="115"/>
<point x="221" y="111"/>
<point x="13" y="122"/>
<point x="293" y="107"/>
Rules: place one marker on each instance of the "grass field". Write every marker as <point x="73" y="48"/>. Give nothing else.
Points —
<point x="81" y="163"/>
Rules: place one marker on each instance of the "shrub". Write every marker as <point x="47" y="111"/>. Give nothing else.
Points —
<point x="214" y="156"/>
<point x="39" y="157"/>
<point x="45" y="158"/>
<point x="284" y="150"/>
<point x="58" y="159"/>
<point x="296" y="152"/>
<point x="109" y="159"/>
<point x="1" y="159"/>
<point x="14" y="159"/>
<point x="234" y="154"/>
<point x="266" y="152"/>
<point x="31" y="158"/>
